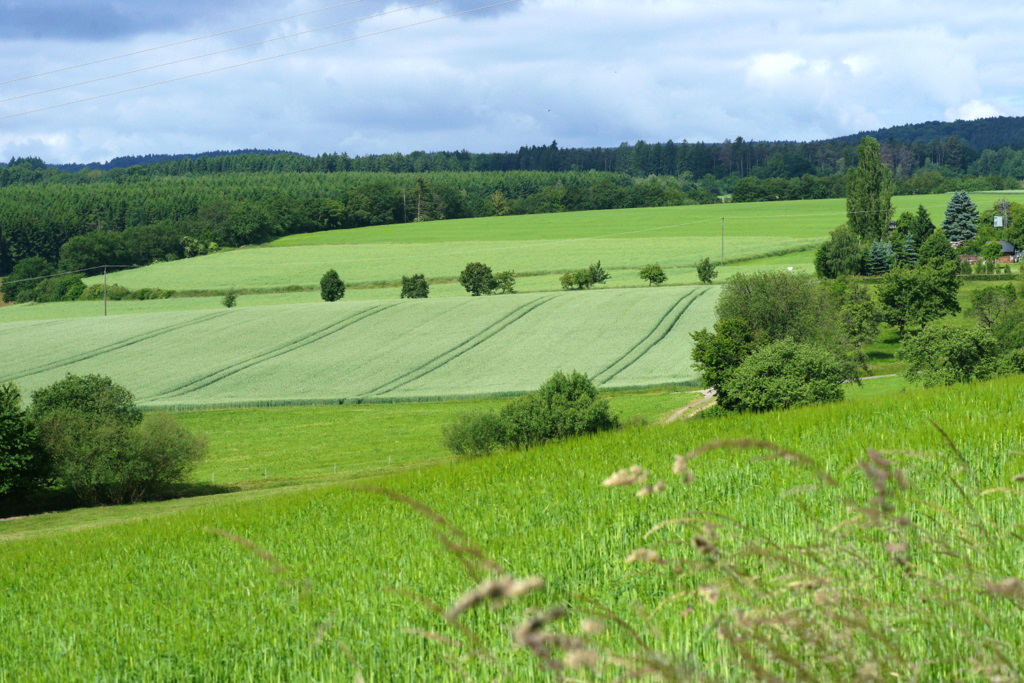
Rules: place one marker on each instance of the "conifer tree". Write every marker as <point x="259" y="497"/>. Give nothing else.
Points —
<point x="961" y="222"/>
<point x="910" y="252"/>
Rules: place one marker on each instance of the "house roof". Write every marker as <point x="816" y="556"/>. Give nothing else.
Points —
<point x="1008" y="247"/>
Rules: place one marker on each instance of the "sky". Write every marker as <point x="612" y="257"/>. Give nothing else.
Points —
<point x="407" y="75"/>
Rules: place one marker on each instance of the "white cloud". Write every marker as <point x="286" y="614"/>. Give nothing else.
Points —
<point x="584" y="72"/>
<point x="975" y="109"/>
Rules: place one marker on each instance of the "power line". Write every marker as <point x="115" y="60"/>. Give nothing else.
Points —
<point x="67" y="272"/>
<point x="257" y="61"/>
<point x="217" y="52"/>
<point x="180" y="42"/>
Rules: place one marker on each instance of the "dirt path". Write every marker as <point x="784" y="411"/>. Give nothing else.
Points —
<point x="707" y="399"/>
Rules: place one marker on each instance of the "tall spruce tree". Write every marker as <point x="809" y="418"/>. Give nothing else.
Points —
<point x="961" y="222"/>
<point x="910" y="252"/>
<point x="869" y="189"/>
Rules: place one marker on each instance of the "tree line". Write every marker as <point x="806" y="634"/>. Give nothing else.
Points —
<point x="137" y="220"/>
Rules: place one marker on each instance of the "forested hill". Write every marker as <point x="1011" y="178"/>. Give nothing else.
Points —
<point x="980" y="134"/>
<point x="993" y="146"/>
<point x="126" y="162"/>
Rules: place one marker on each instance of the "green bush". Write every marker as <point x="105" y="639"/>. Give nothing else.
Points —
<point x="475" y="433"/>
<point x="230" y="299"/>
<point x="939" y="356"/>
<point x="22" y="464"/>
<point x="331" y="286"/>
<point x="786" y="374"/>
<point x="101" y="448"/>
<point x="564" y="406"/>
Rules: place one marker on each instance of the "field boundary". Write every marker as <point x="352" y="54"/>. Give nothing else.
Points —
<point x="116" y="346"/>
<point x="292" y="345"/>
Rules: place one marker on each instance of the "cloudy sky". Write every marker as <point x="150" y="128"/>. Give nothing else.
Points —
<point x="400" y="76"/>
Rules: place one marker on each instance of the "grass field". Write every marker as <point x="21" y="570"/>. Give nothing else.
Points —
<point x="165" y="599"/>
<point x="623" y="240"/>
<point x="352" y="351"/>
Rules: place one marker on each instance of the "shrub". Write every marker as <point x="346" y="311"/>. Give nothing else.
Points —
<point x="475" y="433"/>
<point x="564" y="406"/>
<point x="415" y="287"/>
<point x="786" y="374"/>
<point x="21" y="461"/>
<point x="477" y="279"/>
<point x="1012" y="362"/>
<point x="331" y="286"/>
<point x="230" y="299"/>
<point x="20" y="285"/>
<point x="504" y="282"/>
<point x="653" y="273"/>
<point x="93" y="395"/>
<point x="944" y="355"/>
<point x="102" y="449"/>
<point x="585" y="278"/>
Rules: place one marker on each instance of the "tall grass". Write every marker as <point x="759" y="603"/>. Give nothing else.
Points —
<point x="163" y="599"/>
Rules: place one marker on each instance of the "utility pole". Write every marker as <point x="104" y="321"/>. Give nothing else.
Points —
<point x="723" y="241"/>
<point x="104" y="291"/>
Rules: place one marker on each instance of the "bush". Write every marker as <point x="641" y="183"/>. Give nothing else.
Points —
<point x="22" y="464"/>
<point x="477" y="279"/>
<point x="939" y="356"/>
<point x="504" y="282"/>
<point x="585" y="278"/>
<point x="102" y="449"/>
<point x="415" y="287"/>
<point x="331" y="286"/>
<point x="786" y="374"/>
<point x="564" y="406"/>
<point x="230" y="299"/>
<point x="20" y="285"/>
<point x="475" y="433"/>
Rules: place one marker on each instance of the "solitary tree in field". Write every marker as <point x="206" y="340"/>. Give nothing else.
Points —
<point x="331" y="286"/>
<point x="706" y="271"/>
<point x="653" y="273"/>
<point x="415" y="287"/>
<point x="869" y="188"/>
<point x="478" y="279"/>
<point x="961" y="222"/>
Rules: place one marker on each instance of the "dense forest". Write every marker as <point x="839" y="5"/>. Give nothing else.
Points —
<point x="133" y="210"/>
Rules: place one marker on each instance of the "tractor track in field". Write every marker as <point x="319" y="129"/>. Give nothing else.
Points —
<point x="116" y="346"/>
<point x="451" y="354"/>
<point x="287" y="347"/>
<point x="646" y="344"/>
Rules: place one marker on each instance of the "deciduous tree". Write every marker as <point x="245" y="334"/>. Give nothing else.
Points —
<point x="869" y="190"/>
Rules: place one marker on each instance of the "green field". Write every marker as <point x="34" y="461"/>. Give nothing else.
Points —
<point x="163" y="598"/>
<point x="378" y="351"/>
<point x="623" y="240"/>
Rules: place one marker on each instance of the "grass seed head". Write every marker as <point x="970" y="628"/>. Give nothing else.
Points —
<point x="628" y="477"/>
<point x="645" y="555"/>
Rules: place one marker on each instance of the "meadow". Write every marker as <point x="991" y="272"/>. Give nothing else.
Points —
<point x="370" y="351"/>
<point x="623" y="240"/>
<point x="326" y="588"/>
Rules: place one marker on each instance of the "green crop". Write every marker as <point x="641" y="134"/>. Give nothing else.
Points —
<point x="352" y="351"/>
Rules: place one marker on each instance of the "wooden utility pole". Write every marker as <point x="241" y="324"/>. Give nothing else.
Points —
<point x="104" y="291"/>
<point x="723" y="240"/>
